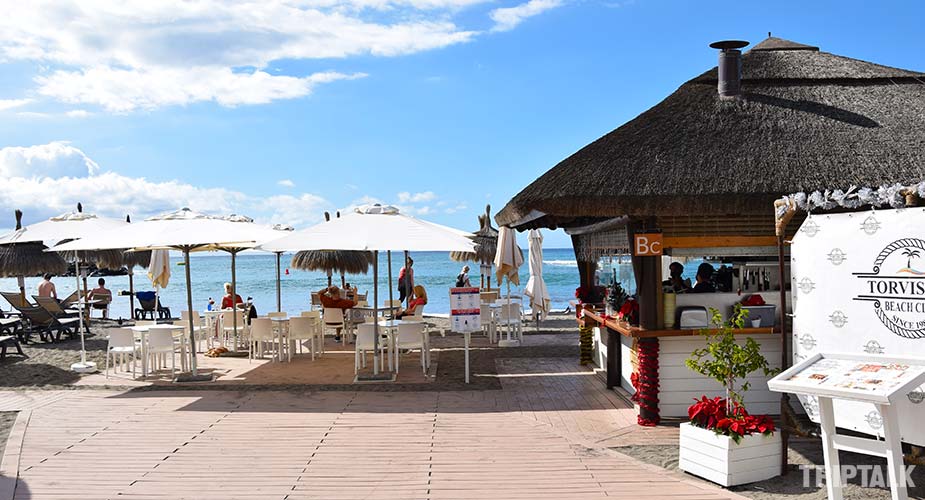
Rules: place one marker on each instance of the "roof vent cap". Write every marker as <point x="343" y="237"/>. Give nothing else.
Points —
<point x="729" y="68"/>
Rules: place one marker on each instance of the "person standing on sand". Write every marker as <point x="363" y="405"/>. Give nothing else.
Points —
<point x="462" y="280"/>
<point x="406" y="281"/>
<point x="47" y="288"/>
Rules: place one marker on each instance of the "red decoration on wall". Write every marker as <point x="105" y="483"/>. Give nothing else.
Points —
<point x="645" y="381"/>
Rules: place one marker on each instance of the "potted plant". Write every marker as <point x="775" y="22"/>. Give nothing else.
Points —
<point x="723" y="442"/>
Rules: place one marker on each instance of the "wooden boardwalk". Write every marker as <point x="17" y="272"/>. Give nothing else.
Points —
<point x="535" y="439"/>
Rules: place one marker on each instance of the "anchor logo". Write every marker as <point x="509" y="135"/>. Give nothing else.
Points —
<point x="806" y="285"/>
<point x="838" y="319"/>
<point x="810" y="228"/>
<point x="837" y="256"/>
<point x="870" y="225"/>
<point x="873" y="347"/>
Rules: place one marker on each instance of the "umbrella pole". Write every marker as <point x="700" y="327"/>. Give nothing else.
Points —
<point x="389" y="254"/>
<point x="376" y="309"/>
<point x="131" y="294"/>
<point x="22" y="289"/>
<point x="189" y="304"/>
<point x="343" y="281"/>
<point x="234" y="300"/>
<point x="279" y="306"/>
<point x="81" y="299"/>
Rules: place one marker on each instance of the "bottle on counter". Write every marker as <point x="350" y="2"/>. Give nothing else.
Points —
<point x="210" y="305"/>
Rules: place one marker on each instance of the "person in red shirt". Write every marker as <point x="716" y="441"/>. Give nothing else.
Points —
<point x="406" y="280"/>
<point x="226" y="300"/>
<point x="330" y="298"/>
<point x="419" y="300"/>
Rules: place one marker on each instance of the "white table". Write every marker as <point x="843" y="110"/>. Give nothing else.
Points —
<point x="279" y="323"/>
<point x="143" y="331"/>
<point x="391" y="326"/>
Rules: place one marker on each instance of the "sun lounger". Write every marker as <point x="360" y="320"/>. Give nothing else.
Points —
<point x="147" y="301"/>
<point x="11" y="326"/>
<point x="16" y="300"/>
<point x="70" y="299"/>
<point x="44" y="322"/>
<point x="54" y="307"/>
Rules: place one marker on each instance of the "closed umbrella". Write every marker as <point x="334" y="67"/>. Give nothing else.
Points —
<point x="373" y="229"/>
<point x="159" y="274"/>
<point x="507" y="265"/>
<point x="536" y="286"/>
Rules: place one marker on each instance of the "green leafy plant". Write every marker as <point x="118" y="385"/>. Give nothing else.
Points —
<point x="725" y="360"/>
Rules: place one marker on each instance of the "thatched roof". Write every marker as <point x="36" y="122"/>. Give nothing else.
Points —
<point x="806" y="120"/>
<point x="341" y="261"/>
<point x="29" y="259"/>
<point x="486" y="242"/>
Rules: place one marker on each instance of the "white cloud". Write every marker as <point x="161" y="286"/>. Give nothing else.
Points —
<point x="77" y="113"/>
<point x="286" y="183"/>
<point x="49" y="179"/>
<point x="406" y="197"/>
<point x="140" y="55"/>
<point x="55" y="159"/>
<point x="122" y="90"/>
<point x="13" y="103"/>
<point x="459" y="207"/>
<point x="508" y="18"/>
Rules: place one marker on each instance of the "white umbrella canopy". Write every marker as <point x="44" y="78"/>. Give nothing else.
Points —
<point x="67" y="226"/>
<point x="374" y="228"/>
<point x="183" y="230"/>
<point x="509" y="258"/>
<point x="536" y="286"/>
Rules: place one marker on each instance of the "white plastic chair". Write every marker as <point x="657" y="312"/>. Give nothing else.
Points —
<point x="511" y="318"/>
<point x="304" y="328"/>
<point x="228" y="326"/>
<point x="411" y="336"/>
<point x="261" y="332"/>
<point x="365" y="342"/>
<point x="488" y="322"/>
<point x="199" y="329"/>
<point x="334" y="319"/>
<point x="392" y="303"/>
<point x="121" y="342"/>
<point x="160" y="344"/>
<point x="319" y="328"/>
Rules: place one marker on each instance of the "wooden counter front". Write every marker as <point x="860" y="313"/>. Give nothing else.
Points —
<point x="626" y="330"/>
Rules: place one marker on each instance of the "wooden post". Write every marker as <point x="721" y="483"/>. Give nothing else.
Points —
<point x="784" y="354"/>
<point x="614" y="359"/>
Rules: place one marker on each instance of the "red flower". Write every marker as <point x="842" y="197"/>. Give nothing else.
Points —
<point x="712" y="414"/>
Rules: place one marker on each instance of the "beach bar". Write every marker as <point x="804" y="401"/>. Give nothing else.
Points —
<point x="695" y="176"/>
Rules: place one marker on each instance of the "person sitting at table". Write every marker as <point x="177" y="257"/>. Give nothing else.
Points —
<point x="331" y="299"/>
<point x="102" y="294"/>
<point x="419" y="300"/>
<point x="704" y="279"/>
<point x="227" y="302"/>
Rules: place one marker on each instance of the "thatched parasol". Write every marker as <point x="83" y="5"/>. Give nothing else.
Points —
<point x="28" y="259"/>
<point x="331" y="261"/>
<point x="805" y="120"/>
<point x="486" y="242"/>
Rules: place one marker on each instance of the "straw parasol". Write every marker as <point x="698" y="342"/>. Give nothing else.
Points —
<point x="28" y="258"/>
<point x="330" y="261"/>
<point x="806" y="120"/>
<point x="486" y="242"/>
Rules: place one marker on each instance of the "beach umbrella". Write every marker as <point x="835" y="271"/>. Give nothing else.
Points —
<point x="486" y="245"/>
<point x="27" y="258"/>
<point x="130" y="260"/>
<point x="186" y="231"/>
<point x="373" y="229"/>
<point x="159" y="274"/>
<point x="330" y="261"/>
<point x="508" y="260"/>
<point x="536" y="286"/>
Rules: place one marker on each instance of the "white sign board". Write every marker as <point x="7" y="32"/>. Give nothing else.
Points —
<point x="465" y="314"/>
<point x="859" y="287"/>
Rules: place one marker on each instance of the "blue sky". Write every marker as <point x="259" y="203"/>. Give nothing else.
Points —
<point x="280" y="110"/>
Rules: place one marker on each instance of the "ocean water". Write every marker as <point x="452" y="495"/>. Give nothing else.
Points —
<point x="256" y="277"/>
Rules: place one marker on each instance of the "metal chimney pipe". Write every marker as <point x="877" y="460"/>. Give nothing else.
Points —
<point x="729" y="78"/>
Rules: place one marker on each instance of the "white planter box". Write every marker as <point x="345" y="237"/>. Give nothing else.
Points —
<point x="719" y="459"/>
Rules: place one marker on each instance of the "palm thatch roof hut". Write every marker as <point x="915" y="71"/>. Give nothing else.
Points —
<point x="704" y="167"/>
<point x="805" y="120"/>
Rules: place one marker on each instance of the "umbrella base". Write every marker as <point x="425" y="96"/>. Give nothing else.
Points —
<point x="85" y="367"/>
<point x="189" y="377"/>
<point x="508" y="343"/>
<point x="365" y="378"/>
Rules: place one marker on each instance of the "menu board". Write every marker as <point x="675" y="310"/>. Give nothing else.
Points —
<point x="465" y="313"/>
<point x="869" y="377"/>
